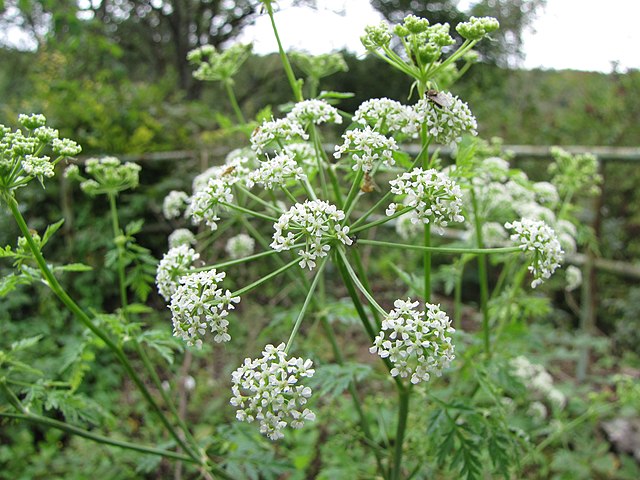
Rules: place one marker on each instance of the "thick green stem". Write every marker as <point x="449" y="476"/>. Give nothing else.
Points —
<point x="404" y="395"/>
<point x="86" y="321"/>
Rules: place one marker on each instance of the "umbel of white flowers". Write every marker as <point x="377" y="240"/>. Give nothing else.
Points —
<point x="418" y="343"/>
<point x="268" y="390"/>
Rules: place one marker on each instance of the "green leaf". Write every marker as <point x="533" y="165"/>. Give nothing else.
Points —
<point x="51" y="229"/>
<point x="138" y="308"/>
<point x="25" y="343"/>
<point x="333" y="94"/>
<point x="11" y="281"/>
<point x="6" y="252"/>
<point x="162" y="342"/>
<point x="333" y="380"/>
<point x="134" y="227"/>
<point x="73" y="267"/>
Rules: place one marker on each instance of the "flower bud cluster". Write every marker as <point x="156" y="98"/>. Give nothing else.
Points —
<point x="539" y="239"/>
<point x="367" y="147"/>
<point x="108" y="176"/>
<point x="388" y="117"/>
<point x="477" y="27"/>
<point x="213" y="65"/>
<point x="417" y="343"/>
<point x="198" y="303"/>
<point x="376" y="36"/>
<point x="23" y="156"/>
<point x="433" y="196"/>
<point x="446" y="124"/>
<point x="241" y="245"/>
<point x="574" y="173"/>
<point x="314" y="222"/>
<point x="268" y="390"/>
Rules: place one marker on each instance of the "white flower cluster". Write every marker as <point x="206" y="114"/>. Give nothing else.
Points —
<point x="198" y="303"/>
<point x="537" y="237"/>
<point x="234" y="170"/>
<point x="175" y="263"/>
<point x="241" y="245"/>
<point x="536" y="378"/>
<point x="206" y="203"/>
<point x="367" y="147"/>
<point x="181" y="236"/>
<point x="431" y="194"/>
<point x="275" y="171"/>
<point x="314" y="111"/>
<point x="38" y="166"/>
<point x="268" y="390"/>
<point x="315" y="222"/>
<point x="415" y="345"/>
<point x="446" y="124"/>
<point x="388" y="117"/>
<point x="276" y="132"/>
<point x="573" y="276"/>
<point x="174" y="204"/>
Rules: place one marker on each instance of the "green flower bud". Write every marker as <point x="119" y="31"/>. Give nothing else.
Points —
<point x="32" y="121"/>
<point x="415" y="24"/>
<point x="476" y="28"/>
<point x="376" y="36"/>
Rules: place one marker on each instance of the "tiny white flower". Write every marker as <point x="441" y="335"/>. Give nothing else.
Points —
<point x="175" y="263"/>
<point x="446" y="124"/>
<point x="314" y="111"/>
<point x="366" y="148"/>
<point x="282" y="130"/>
<point x="181" y="236"/>
<point x="174" y="204"/>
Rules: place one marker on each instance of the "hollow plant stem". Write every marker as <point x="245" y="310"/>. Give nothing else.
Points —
<point x="118" y="240"/>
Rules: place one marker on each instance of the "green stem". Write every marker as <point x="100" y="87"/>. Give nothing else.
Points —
<point x="452" y="250"/>
<point x="295" y="84"/>
<point x="228" y="85"/>
<point x="404" y="395"/>
<point x="50" y="422"/>
<point x="356" y="281"/>
<point x="117" y="233"/>
<point x="86" y="321"/>
<point x="482" y="277"/>
<point x="266" y="278"/>
<point x="426" y="254"/>
<point x="305" y="305"/>
<point x="249" y="212"/>
<point x="353" y="192"/>
<point x="380" y="221"/>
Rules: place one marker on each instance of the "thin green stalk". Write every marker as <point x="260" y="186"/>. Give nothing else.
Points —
<point x="256" y="198"/>
<point x="353" y="192"/>
<point x="228" y="85"/>
<point x="295" y="84"/>
<point x="426" y="258"/>
<point x="452" y="250"/>
<point x="380" y="221"/>
<point x="319" y="157"/>
<point x="50" y="422"/>
<point x="59" y="291"/>
<point x="404" y="396"/>
<point x="115" y="225"/>
<point x="305" y="305"/>
<point x="384" y="199"/>
<point x="482" y="277"/>
<point x="249" y="212"/>
<point x="336" y="187"/>
<point x="358" y="283"/>
<point x="257" y="283"/>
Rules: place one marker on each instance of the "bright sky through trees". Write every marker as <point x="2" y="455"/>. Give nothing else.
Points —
<point x="574" y="34"/>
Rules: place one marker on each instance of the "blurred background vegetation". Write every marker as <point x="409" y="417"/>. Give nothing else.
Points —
<point x="113" y="76"/>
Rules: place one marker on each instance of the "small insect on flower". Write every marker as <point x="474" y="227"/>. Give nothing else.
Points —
<point x="368" y="185"/>
<point x="439" y="98"/>
<point x="228" y="170"/>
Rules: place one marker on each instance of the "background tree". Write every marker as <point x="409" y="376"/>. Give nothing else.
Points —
<point x="151" y="35"/>
<point x="514" y="17"/>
